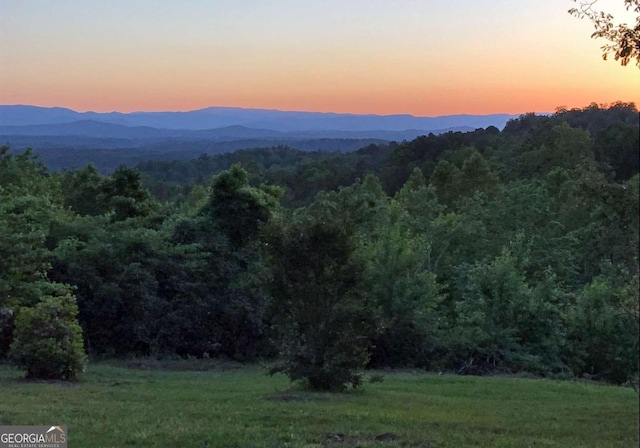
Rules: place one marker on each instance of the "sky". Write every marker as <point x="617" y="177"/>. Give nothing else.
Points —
<point x="425" y="58"/>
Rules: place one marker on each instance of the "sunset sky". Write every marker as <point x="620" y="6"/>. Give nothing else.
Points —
<point x="423" y="58"/>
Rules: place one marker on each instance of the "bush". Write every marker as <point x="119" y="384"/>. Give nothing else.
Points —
<point x="503" y="324"/>
<point x="48" y="339"/>
<point x="603" y="332"/>
<point x="322" y="320"/>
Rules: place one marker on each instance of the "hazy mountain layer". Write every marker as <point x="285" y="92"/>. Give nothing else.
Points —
<point x="219" y="117"/>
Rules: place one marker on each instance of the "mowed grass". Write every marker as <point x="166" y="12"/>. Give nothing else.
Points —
<point x="231" y="406"/>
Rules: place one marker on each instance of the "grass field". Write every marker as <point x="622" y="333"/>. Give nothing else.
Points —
<point x="232" y="406"/>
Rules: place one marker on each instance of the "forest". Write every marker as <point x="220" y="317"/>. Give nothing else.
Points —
<point x="476" y="253"/>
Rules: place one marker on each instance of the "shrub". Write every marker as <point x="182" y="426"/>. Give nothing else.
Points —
<point x="603" y="332"/>
<point x="322" y="319"/>
<point x="47" y="339"/>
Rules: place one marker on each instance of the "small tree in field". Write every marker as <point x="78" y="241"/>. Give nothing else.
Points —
<point x="321" y="316"/>
<point x="47" y="340"/>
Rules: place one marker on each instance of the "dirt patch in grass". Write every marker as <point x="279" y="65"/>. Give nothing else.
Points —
<point x="295" y="398"/>
<point x="354" y="440"/>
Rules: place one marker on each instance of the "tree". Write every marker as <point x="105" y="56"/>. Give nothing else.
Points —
<point x="126" y="196"/>
<point x="603" y="329"/>
<point x="624" y="39"/>
<point x="445" y="180"/>
<point x="120" y="195"/>
<point x="213" y="305"/>
<point x="406" y="294"/>
<point x="476" y="175"/>
<point x="502" y="323"/>
<point x="47" y="338"/>
<point x="81" y="190"/>
<point x="28" y="204"/>
<point x="321" y="315"/>
<point x="238" y="209"/>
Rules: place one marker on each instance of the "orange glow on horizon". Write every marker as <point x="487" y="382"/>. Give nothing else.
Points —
<point x="361" y="58"/>
<point x="428" y="104"/>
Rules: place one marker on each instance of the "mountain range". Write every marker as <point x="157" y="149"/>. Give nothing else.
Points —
<point x="64" y="138"/>
<point x="225" y="122"/>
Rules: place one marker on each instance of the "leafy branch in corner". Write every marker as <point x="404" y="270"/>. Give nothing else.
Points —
<point x="624" y="40"/>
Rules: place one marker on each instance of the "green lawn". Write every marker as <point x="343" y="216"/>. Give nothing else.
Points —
<point x="230" y="406"/>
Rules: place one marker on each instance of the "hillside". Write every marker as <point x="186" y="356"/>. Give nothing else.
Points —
<point x="482" y="253"/>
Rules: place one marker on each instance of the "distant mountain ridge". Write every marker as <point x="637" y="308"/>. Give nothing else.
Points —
<point x="99" y="129"/>
<point x="221" y="117"/>
<point x="66" y="139"/>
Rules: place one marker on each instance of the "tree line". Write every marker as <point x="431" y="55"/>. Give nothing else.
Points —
<point x="477" y="253"/>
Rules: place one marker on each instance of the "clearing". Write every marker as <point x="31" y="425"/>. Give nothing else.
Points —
<point x="226" y="405"/>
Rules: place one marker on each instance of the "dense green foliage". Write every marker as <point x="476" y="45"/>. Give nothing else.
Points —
<point x="47" y="341"/>
<point x="302" y="174"/>
<point x="482" y="252"/>
<point x="320" y="310"/>
<point x="38" y="317"/>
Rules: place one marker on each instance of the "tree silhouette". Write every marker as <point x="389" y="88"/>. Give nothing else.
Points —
<point x="624" y="39"/>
